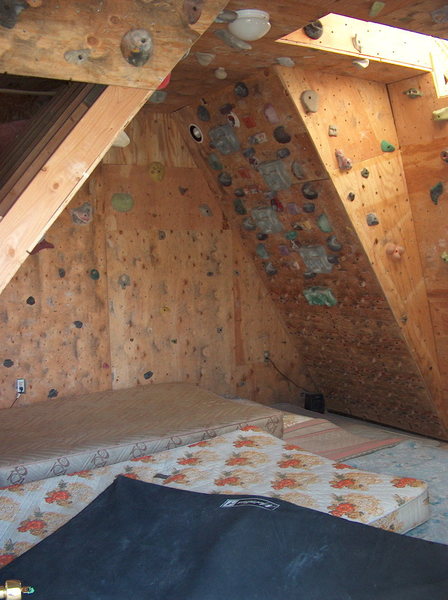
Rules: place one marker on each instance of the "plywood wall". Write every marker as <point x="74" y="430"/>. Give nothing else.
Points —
<point x="355" y="349"/>
<point x="422" y="140"/>
<point x="172" y="296"/>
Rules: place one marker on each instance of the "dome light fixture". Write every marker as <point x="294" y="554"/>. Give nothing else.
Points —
<point x="250" y="25"/>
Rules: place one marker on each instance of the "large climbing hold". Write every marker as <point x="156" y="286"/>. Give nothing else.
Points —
<point x="310" y="101"/>
<point x="9" y="11"/>
<point x="441" y="114"/>
<point x="319" y="296"/>
<point x="136" y="47"/>
<point x="344" y="163"/>
<point x="314" y="30"/>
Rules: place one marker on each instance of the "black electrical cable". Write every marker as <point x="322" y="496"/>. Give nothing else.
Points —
<point x="300" y="387"/>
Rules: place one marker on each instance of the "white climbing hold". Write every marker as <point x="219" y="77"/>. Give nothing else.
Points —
<point x="361" y="63"/>
<point x="221" y="73"/>
<point x="285" y="61"/>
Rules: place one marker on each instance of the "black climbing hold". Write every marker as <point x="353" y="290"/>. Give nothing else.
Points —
<point x="61" y="273"/>
<point x="241" y="90"/>
<point x="30" y="301"/>
<point x="148" y="374"/>
<point x="365" y="173"/>
<point x="226" y="108"/>
<point x="297" y="170"/>
<point x="239" y="207"/>
<point x="53" y="393"/>
<point x="309" y="275"/>
<point x="203" y="113"/>
<point x="372" y="220"/>
<point x="239" y="192"/>
<point x="281" y="135"/>
<point x="333" y="259"/>
<point x="182" y="190"/>
<point x="136" y="47"/>
<point x="314" y="30"/>
<point x="10" y="10"/>
<point x="262" y="236"/>
<point x="333" y="243"/>
<point x="78" y="324"/>
<point x="225" y="179"/>
<point x="162" y="235"/>
<point x="309" y="191"/>
<point x="196" y="133"/>
<point x="309" y="207"/>
<point x="94" y="274"/>
<point x="436" y="192"/>
<point x="351" y="196"/>
<point x="249" y="152"/>
<point x="210" y="274"/>
<point x="8" y="363"/>
<point x="214" y="162"/>
<point x="283" y="153"/>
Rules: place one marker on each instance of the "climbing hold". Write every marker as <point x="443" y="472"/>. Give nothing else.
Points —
<point x="284" y="250"/>
<point x="333" y="243"/>
<point x="214" y="162"/>
<point x="226" y="108"/>
<point x="249" y="224"/>
<point x="361" y="63"/>
<point x="161" y="235"/>
<point x="261" y="251"/>
<point x="277" y="205"/>
<point x="365" y="173"/>
<point x="122" y="202"/>
<point x="324" y="224"/>
<point x="203" y="113"/>
<point x="53" y="393"/>
<point x="444" y="256"/>
<point x="275" y="175"/>
<point x="270" y="269"/>
<point x="122" y="140"/>
<point x="225" y="179"/>
<point x="315" y="259"/>
<point x="241" y="90"/>
<point x="61" y="273"/>
<point x="78" y="324"/>
<point x="332" y="130"/>
<point x="30" y="300"/>
<point x="83" y="214"/>
<point x="356" y="41"/>
<point x="270" y="113"/>
<point x="262" y="236"/>
<point x="310" y="101"/>
<point x="281" y="135"/>
<point x="249" y="121"/>
<point x="224" y="139"/>
<point x="436" y="191"/>
<point x="440" y="115"/>
<point x="10" y="10"/>
<point x="220" y="73"/>
<point x="319" y="296"/>
<point x="266" y="219"/>
<point x="231" y="40"/>
<point x="413" y="93"/>
<point x="298" y="170"/>
<point x="192" y="10"/>
<point x="158" y="96"/>
<point x="333" y="259"/>
<point x="8" y="363"/>
<point x="303" y="225"/>
<point x="376" y="8"/>
<point x="94" y="274"/>
<point x="309" y="207"/>
<point x="314" y="30"/>
<point x="136" y="47"/>
<point x="444" y="155"/>
<point x="440" y="15"/>
<point x="205" y="58"/>
<point x="394" y="251"/>
<point x="309" y="275"/>
<point x="344" y="163"/>
<point x="42" y="245"/>
<point x="249" y="152"/>
<point x="239" y="192"/>
<point x="283" y="153"/>
<point x="387" y="146"/>
<point x="285" y="61"/>
<point x="226" y="16"/>
<point x="77" y="57"/>
<point x="239" y="207"/>
<point x="351" y="196"/>
<point x="157" y="171"/>
<point x="292" y="208"/>
<point x="258" y="138"/>
<point x="182" y="190"/>
<point x="291" y="235"/>
<point x="124" y="280"/>
<point x="196" y="133"/>
<point x="309" y="191"/>
<point x="233" y="119"/>
<point x="148" y="374"/>
<point x="372" y="219"/>
<point x="205" y="210"/>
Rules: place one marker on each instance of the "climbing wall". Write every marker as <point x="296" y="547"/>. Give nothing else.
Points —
<point x="142" y="281"/>
<point x="423" y="141"/>
<point x="260" y="154"/>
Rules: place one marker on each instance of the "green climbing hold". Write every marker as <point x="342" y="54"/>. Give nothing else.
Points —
<point x="436" y="191"/>
<point x="291" y="235"/>
<point x="324" y="224"/>
<point x="376" y="8"/>
<point x="319" y="296"/>
<point x="122" y="202"/>
<point x="387" y="146"/>
<point x="94" y="274"/>
<point x="261" y="251"/>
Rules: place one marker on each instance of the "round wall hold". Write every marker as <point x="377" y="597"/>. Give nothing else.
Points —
<point x="94" y="274"/>
<point x="241" y="90"/>
<point x="196" y="133"/>
<point x="220" y="73"/>
<point x="136" y="47"/>
<point x="314" y="30"/>
<point x="281" y="135"/>
<point x="30" y="300"/>
<point x="309" y="191"/>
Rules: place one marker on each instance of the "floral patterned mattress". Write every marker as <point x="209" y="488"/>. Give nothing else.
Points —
<point x="248" y="461"/>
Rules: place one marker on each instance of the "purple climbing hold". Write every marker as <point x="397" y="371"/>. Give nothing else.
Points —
<point x="270" y="113"/>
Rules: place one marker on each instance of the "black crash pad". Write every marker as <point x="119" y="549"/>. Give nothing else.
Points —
<point x="148" y="542"/>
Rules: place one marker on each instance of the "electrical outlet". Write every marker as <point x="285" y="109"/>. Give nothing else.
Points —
<point x="266" y="356"/>
<point x="20" y="386"/>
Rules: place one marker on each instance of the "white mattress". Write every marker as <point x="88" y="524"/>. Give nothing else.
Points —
<point x="249" y="461"/>
<point x="58" y="437"/>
